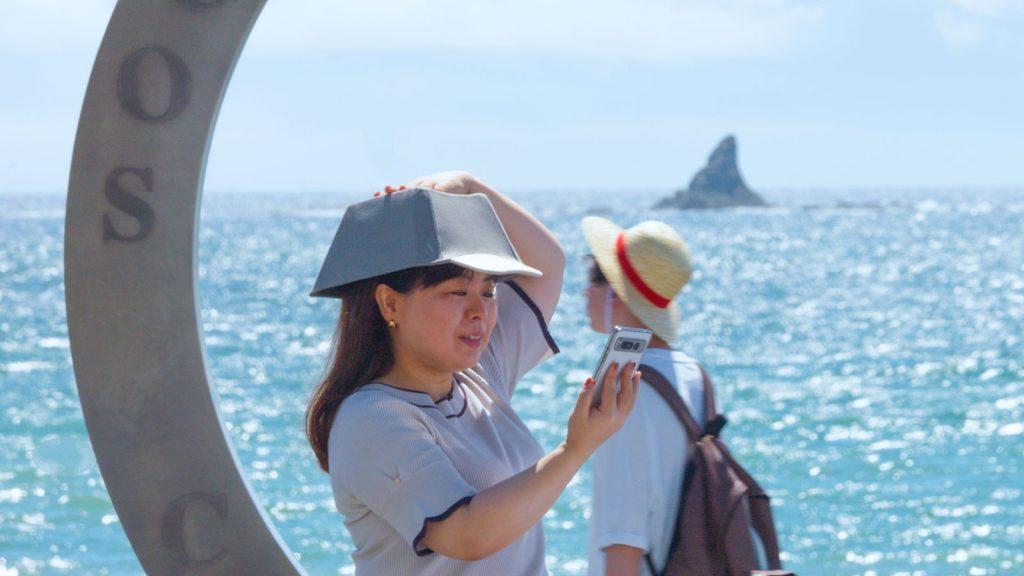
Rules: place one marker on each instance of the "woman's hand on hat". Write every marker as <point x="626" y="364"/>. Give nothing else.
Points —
<point x="590" y="426"/>
<point x="452" y="182"/>
<point x="389" y="190"/>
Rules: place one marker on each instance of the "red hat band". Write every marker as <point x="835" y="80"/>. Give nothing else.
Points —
<point x="634" y="277"/>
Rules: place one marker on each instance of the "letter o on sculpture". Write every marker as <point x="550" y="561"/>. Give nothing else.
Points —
<point x="138" y="66"/>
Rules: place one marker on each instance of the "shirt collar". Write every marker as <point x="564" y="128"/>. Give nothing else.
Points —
<point x="452" y="405"/>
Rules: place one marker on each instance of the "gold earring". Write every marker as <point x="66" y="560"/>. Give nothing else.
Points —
<point x="391" y="324"/>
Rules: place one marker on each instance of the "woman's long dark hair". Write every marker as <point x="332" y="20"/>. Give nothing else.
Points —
<point x="361" y="349"/>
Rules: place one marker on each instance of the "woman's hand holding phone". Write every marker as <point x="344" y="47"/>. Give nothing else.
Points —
<point x="498" y="515"/>
<point x="589" y="425"/>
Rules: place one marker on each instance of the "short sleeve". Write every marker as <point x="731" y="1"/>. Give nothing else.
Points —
<point x="385" y="457"/>
<point x="621" y="496"/>
<point x="520" y="339"/>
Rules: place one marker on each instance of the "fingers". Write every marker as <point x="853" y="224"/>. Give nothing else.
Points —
<point x="581" y="411"/>
<point x="444" y="182"/>
<point x="590" y="426"/>
<point x="586" y="396"/>
<point x="630" y="387"/>
<point x="389" y="189"/>
<point x="608" y="401"/>
<point x="626" y="386"/>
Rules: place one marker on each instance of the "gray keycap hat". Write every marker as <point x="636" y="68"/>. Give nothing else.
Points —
<point x="417" y="227"/>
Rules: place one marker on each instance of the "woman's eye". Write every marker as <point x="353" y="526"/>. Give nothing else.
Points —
<point x="465" y="293"/>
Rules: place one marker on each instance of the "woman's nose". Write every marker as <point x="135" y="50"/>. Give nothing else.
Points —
<point x="476" y="308"/>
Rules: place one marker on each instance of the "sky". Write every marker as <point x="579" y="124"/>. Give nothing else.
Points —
<point x="567" y="94"/>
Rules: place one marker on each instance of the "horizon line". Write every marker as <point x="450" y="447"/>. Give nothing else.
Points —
<point x="645" y="189"/>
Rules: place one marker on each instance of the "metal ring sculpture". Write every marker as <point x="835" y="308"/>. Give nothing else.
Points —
<point x="131" y="284"/>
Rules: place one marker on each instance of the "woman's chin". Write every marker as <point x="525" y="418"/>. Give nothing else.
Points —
<point x="466" y="360"/>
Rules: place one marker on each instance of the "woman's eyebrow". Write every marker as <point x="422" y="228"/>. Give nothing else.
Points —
<point x="499" y="278"/>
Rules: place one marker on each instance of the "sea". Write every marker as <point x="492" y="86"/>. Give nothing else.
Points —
<point x="867" y="344"/>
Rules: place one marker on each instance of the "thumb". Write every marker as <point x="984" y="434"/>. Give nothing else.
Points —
<point x="586" y="397"/>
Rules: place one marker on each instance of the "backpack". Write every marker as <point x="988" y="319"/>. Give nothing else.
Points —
<point x="721" y="506"/>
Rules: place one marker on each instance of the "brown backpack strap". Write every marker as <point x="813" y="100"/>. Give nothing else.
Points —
<point x="671" y="396"/>
<point x="710" y="410"/>
<point x="713" y="421"/>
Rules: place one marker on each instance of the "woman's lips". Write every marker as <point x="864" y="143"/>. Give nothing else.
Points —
<point x="473" y="341"/>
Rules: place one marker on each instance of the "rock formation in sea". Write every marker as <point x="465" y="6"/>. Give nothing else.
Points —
<point x="717" y="185"/>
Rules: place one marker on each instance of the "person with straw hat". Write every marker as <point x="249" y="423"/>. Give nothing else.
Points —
<point x="634" y="279"/>
<point x="446" y="288"/>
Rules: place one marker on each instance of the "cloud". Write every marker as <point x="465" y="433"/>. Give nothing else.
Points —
<point x="958" y="31"/>
<point x="966" y="23"/>
<point x="987" y="8"/>
<point x="632" y="29"/>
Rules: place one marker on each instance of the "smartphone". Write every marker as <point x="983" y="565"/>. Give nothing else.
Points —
<point x="624" y="345"/>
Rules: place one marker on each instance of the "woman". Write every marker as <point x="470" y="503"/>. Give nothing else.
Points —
<point x="432" y="469"/>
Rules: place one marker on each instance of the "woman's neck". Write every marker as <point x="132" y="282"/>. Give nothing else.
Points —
<point x="410" y="376"/>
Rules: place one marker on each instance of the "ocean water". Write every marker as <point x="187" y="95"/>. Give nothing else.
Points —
<point x="870" y="358"/>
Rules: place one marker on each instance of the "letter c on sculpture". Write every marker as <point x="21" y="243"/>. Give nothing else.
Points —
<point x="172" y="529"/>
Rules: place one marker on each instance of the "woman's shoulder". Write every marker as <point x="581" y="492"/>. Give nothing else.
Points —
<point x="370" y="402"/>
<point x="370" y="410"/>
<point x="370" y="420"/>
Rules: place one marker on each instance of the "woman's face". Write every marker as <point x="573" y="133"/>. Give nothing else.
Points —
<point x="447" y="326"/>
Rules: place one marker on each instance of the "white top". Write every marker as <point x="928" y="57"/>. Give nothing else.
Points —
<point x="638" y="472"/>
<point x="399" y="460"/>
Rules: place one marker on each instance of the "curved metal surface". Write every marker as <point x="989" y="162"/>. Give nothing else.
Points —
<point x="132" y="296"/>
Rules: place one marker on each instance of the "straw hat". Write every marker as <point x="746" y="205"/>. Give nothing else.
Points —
<point x="647" y="265"/>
